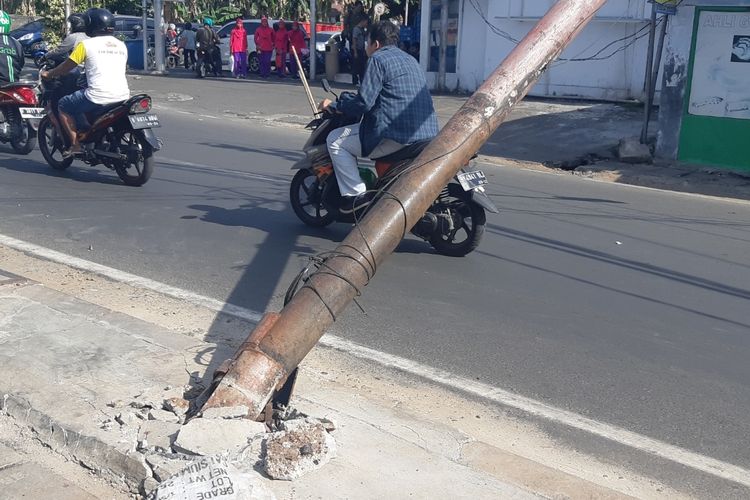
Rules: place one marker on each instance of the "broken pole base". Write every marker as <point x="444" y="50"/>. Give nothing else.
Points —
<point x="251" y="377"/>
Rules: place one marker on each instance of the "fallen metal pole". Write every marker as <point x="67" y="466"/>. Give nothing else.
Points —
<point x="261" y="367"/>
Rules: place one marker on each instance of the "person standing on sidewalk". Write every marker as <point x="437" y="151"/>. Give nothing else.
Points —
<point x="296" y="40"/>
<point x="264" y="45"/>
<point x="187" y="42"/>
<point x="281" y="44"/>
<point x="238" y="48"/>
<point x="359" y="55"/>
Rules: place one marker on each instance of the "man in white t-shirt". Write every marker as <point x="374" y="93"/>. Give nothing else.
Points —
<point x="105" y="59"/>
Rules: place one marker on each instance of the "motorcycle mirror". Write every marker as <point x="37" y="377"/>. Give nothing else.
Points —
<point x="326" y="86"/>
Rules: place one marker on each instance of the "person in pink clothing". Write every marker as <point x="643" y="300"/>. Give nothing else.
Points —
<point x="238" y="48"/>
<point x="296" y="40"/>
<point x="281" y="44"/>
<point x="264" y="38"/>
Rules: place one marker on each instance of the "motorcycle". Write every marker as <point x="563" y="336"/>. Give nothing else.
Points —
<point x="38" y="51"/>
<point x="18" y="109"/>
<point x="454" y="223"/>
<point x="208" y="62"/>
<point x="121" y="137"/>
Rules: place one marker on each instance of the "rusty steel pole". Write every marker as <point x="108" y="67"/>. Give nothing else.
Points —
<point x="281" y="341"/>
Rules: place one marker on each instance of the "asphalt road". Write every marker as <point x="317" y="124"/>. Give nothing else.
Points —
<point x="627" y="305"/>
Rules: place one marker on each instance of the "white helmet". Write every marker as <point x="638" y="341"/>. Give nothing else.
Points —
<point x="172" y="26"/>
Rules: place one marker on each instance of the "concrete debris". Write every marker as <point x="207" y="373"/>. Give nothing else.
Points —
<point x="202" y="436"/>
<point x="293" y="453"/>
<point x="294" y="424"/>
<point x="215" y="478"/>
<point x="127" y="419"/>
<point x="228" y="412"/>
<point x="156" y="397"/>
<point x="178" y="406"/>
<point x="162" y="415"/>
<point x="157" y="434"/>
<point x="165" y="465"/>
<point x="630" y="150"/>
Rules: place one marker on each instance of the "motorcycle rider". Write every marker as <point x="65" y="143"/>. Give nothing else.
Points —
<point x="206" y="41"/>
<point x="12" y="64"/>
<point x="78" y="24"/>
<point x="397" y="108"/>
<point x="104" y="58"/>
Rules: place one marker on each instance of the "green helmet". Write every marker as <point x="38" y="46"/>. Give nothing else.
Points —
<point x="208" y="21"/>
<point x="4" y="22"/>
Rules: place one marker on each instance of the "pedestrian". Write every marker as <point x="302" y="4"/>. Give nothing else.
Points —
<point x="281" y="44"/>
<point x="264" y="36"/>
<point x="359" y="56"/>
<point x="187" y="43"/>
<point x="238" y="48"/>
<point x="297" y="40"/>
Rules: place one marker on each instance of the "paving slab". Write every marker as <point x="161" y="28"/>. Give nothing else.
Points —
<point x="20" y="478"/>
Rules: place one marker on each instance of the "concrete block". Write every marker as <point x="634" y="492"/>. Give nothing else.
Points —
<point x="228" y="412"/>
<point x="158" y="434"/>
<point x="630" y="150"/>
<point x="293" y="453"/>
<point x="202" y="436"/>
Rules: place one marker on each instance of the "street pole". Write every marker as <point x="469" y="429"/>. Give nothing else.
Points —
<point x="281" y="341"/>
<point x="67" y="15"/>
<point x="313" y="28"/>
<point x="144" y="33"/>
<point x="654" y="76"/>
<point x="158" y="35"/>
<point x="647" y="79"/>
<point x="442" y="61"/>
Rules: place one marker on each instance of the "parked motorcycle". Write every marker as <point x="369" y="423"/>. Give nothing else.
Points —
<point x="454" y="223"/>
<point x="121" y="138"/>
<point x="18" y="108"/>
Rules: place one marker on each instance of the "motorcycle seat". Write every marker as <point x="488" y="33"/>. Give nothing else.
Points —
<point x="22" y="83"/>
<point x="406" y="153"/>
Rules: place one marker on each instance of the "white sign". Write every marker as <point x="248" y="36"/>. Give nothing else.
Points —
<point x="720" y="85"/>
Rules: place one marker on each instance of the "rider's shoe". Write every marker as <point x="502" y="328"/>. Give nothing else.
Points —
<point x="351" y="204"/>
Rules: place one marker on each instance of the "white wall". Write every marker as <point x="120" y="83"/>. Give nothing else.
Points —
<point x="618" y="77"/>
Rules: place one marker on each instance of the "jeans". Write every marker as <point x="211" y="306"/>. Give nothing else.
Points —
<point x="77" y="105"/>
<point x="265" y="63"/>
<point x="345" y="146"/>
<point x="189" y="56"/>
<point x="240" y="63"/>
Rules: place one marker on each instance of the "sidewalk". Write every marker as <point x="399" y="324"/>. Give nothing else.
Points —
<point x="69" y="367"/>
<point x="557" y="136"/>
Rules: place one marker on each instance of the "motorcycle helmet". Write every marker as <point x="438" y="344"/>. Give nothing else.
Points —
<point x="4" y="22"/>
<point x="207" y="21"/>
<point x="172" y="27"/>
<point x="78" y="23"/>
<point x="101" y="22"/>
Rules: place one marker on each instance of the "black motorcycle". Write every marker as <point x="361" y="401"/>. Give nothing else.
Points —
<point x="454" y="223"/>
<point x="120" y="137"/>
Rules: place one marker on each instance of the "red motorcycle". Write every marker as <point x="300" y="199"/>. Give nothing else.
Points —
<point x="18" y="116"/>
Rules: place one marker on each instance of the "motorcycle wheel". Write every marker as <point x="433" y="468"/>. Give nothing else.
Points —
<point x="139" y="165"/>
<point x="469" y="220"/>
<point x="305" y="196"/>
<point x="24" y="142"/>
<point x="201" y="70"/>
<point x="51" y="145"/>
<point x="253" y="63"/>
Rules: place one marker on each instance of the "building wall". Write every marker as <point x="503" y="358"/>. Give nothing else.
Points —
<point x="675" y="73"/>
<point x="621" y="76"/>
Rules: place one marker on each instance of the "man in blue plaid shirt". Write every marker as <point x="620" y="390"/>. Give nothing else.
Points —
<point x="397" y="109"/>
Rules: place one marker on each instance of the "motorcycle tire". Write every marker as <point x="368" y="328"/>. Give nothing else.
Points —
<point x="444" y="242"/>
<point x="51" y="145"/>
<point x="201" y="70"/>
<point x="321" y="216"/>
<point x="24" y="144"/>
<point x="140" y="163"/>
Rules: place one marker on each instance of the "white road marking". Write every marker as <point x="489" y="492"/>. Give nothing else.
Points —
<point x="487" y="392"/>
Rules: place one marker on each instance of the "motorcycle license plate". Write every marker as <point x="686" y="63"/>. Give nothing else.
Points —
<point x="27" y="113"/>
<point x="471" y="180"/>
<point x="144" y="121"/>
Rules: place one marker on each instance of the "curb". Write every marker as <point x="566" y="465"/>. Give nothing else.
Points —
<point x="129" y="470"/>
